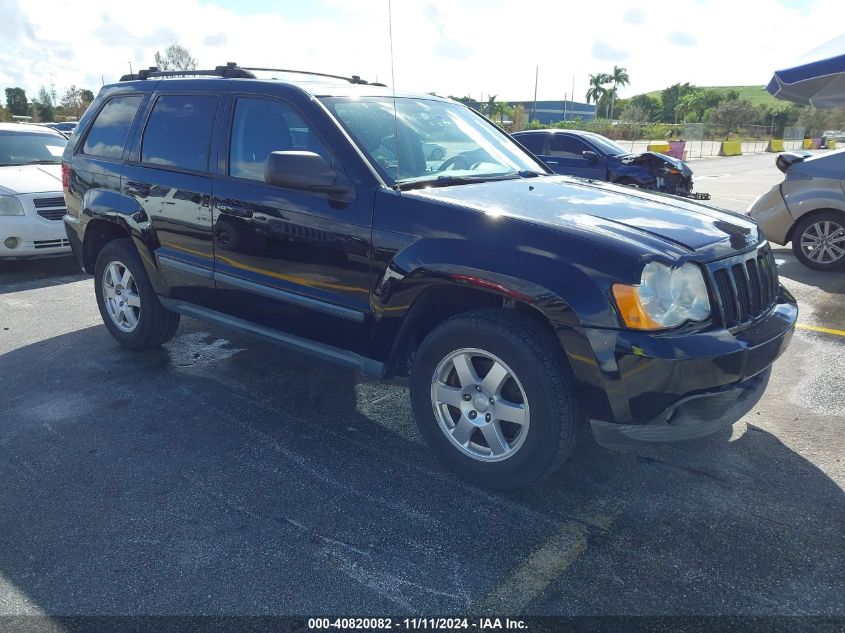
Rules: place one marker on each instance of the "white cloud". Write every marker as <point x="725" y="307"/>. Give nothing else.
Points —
<point x="454" y="47"/>
<point x="605" y="52"/>
<point x="679" y="38"/>
<point x="633" y="16"/>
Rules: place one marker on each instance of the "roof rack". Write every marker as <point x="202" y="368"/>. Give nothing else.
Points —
<point x="354" y="79"/>
<point x="231" y="70"/>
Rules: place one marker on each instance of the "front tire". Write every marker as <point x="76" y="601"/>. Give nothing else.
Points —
<point x="819" y="241"/>
<point x="494" y="398"/>
<point x="128" y="304"/>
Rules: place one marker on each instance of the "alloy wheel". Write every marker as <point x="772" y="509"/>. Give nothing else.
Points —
<point x="120" y="295"/>
<point x="824" y="242"/>
<point x="480" y="405"/>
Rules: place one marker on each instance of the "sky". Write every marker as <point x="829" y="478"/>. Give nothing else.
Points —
<point x="451" y="47"/>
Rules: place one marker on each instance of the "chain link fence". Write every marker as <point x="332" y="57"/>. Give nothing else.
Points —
<point x="701" y="139"/>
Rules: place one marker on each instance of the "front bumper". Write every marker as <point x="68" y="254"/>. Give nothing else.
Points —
<point x="676" y="184"/>
<point x="691" y="418"/>
<point x="677" y="385"/>
<point x="35" y="237"/>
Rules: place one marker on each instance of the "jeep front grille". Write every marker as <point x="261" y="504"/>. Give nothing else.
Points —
<point x="745" y="286"/>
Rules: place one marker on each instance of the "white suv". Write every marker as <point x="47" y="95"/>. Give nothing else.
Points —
<point x="32" y="202"/>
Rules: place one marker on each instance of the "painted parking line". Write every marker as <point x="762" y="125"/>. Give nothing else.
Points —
<point x="552" y="558"/>
<point x="823" y="330"/>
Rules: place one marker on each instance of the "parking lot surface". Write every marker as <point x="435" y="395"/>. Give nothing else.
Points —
<point x="221" y="475"/>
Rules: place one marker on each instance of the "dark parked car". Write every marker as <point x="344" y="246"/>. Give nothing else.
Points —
<point x="518" y="302"/>
<point x="594" y="156"/>
<point x="65" y="127"/>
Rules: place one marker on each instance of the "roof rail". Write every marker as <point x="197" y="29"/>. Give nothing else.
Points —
<point x="230" y="70"/>
<point x="354" y="79"/>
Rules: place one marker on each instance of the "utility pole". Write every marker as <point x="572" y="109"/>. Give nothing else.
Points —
<point x="564" y="106"/>
<point x="130" y="69"/>
<point x="536" y="78"/>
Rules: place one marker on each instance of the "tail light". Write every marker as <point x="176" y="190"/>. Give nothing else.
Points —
<point x="65" y="175"/>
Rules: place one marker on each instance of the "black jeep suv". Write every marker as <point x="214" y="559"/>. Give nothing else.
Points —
<point x="308" y="212"/>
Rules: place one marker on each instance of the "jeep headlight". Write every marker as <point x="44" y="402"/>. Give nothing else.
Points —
<point x="10" y="205"/>
<point x="665" y="297"/>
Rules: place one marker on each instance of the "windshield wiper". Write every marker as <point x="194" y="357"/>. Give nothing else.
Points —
<point x="448" y="181"/>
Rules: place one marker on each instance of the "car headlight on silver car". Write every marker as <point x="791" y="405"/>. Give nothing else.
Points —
<point x="665" y="298"/>
<point x="10" y="205"/>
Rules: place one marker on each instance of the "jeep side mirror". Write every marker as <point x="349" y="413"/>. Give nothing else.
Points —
<point x="307" y="171"/>
<point x="590" y="155"/>
<point x="298" y="170"/>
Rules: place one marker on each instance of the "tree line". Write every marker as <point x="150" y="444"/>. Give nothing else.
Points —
<point x="687" y="103"/>
<point x="47" y="107"/>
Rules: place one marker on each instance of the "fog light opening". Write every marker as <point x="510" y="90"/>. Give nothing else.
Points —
<point x="10" y="242"/>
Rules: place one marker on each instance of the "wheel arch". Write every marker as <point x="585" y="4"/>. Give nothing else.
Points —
<point x="811" y="214"/>
<point x="438" y="302"/>
<point x="103" y="223"/>
<point x="99" y="232"/>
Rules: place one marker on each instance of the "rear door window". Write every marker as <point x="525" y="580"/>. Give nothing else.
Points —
<point x="178" y="132"/>
<point x="566" y="146"/>
<point x="533" y="142"/>
<point x="107" y="136"/>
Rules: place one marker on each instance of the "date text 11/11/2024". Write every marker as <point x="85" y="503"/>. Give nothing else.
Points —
<point x="416" y="624"/>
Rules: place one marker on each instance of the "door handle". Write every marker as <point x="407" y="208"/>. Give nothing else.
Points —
<point x="140" y="189"/>
<point x="553" y="162"/>
<point x="234" y="209"/>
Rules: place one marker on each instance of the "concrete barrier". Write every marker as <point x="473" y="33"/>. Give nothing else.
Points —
<point x="659" y="146"/>
<point x="730" y="148"/>
<point x="831" y="143"/>
<point x="775" y="145"/>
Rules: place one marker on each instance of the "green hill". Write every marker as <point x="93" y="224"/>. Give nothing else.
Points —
<point x="757" y="95"/>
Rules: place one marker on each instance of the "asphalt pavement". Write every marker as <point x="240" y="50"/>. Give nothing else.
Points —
<point x="221" y="475"/>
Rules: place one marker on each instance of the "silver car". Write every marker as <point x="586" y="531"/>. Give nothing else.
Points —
<point x="807" y="208"/>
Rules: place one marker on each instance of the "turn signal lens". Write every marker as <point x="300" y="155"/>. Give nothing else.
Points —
<point x="631" y="310"/>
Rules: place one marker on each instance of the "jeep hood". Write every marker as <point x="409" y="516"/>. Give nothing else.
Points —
<point x="656" y="222"/>
<point x="16" y="179"/>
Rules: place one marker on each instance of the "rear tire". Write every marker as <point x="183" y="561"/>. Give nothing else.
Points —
<point x="128" y="304"/>
<point x="818" y="241"/>
<point x="507" y="430"/>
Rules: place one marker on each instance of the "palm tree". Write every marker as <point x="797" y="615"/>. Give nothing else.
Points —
<point x="597" y="91"/>
<point x="491" y="107"/>
<point x="694" y="101"/>
<point x="619" y="77"/>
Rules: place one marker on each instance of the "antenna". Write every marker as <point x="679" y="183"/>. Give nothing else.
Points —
<point x="393" y="90"/>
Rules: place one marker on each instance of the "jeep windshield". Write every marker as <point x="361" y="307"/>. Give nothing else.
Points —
<point x="430" y="142"/>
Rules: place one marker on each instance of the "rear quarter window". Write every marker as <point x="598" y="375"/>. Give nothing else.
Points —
<point x="533" y="142"/>
<point x="107" y="136"/>
<point x="178" y="132"/>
